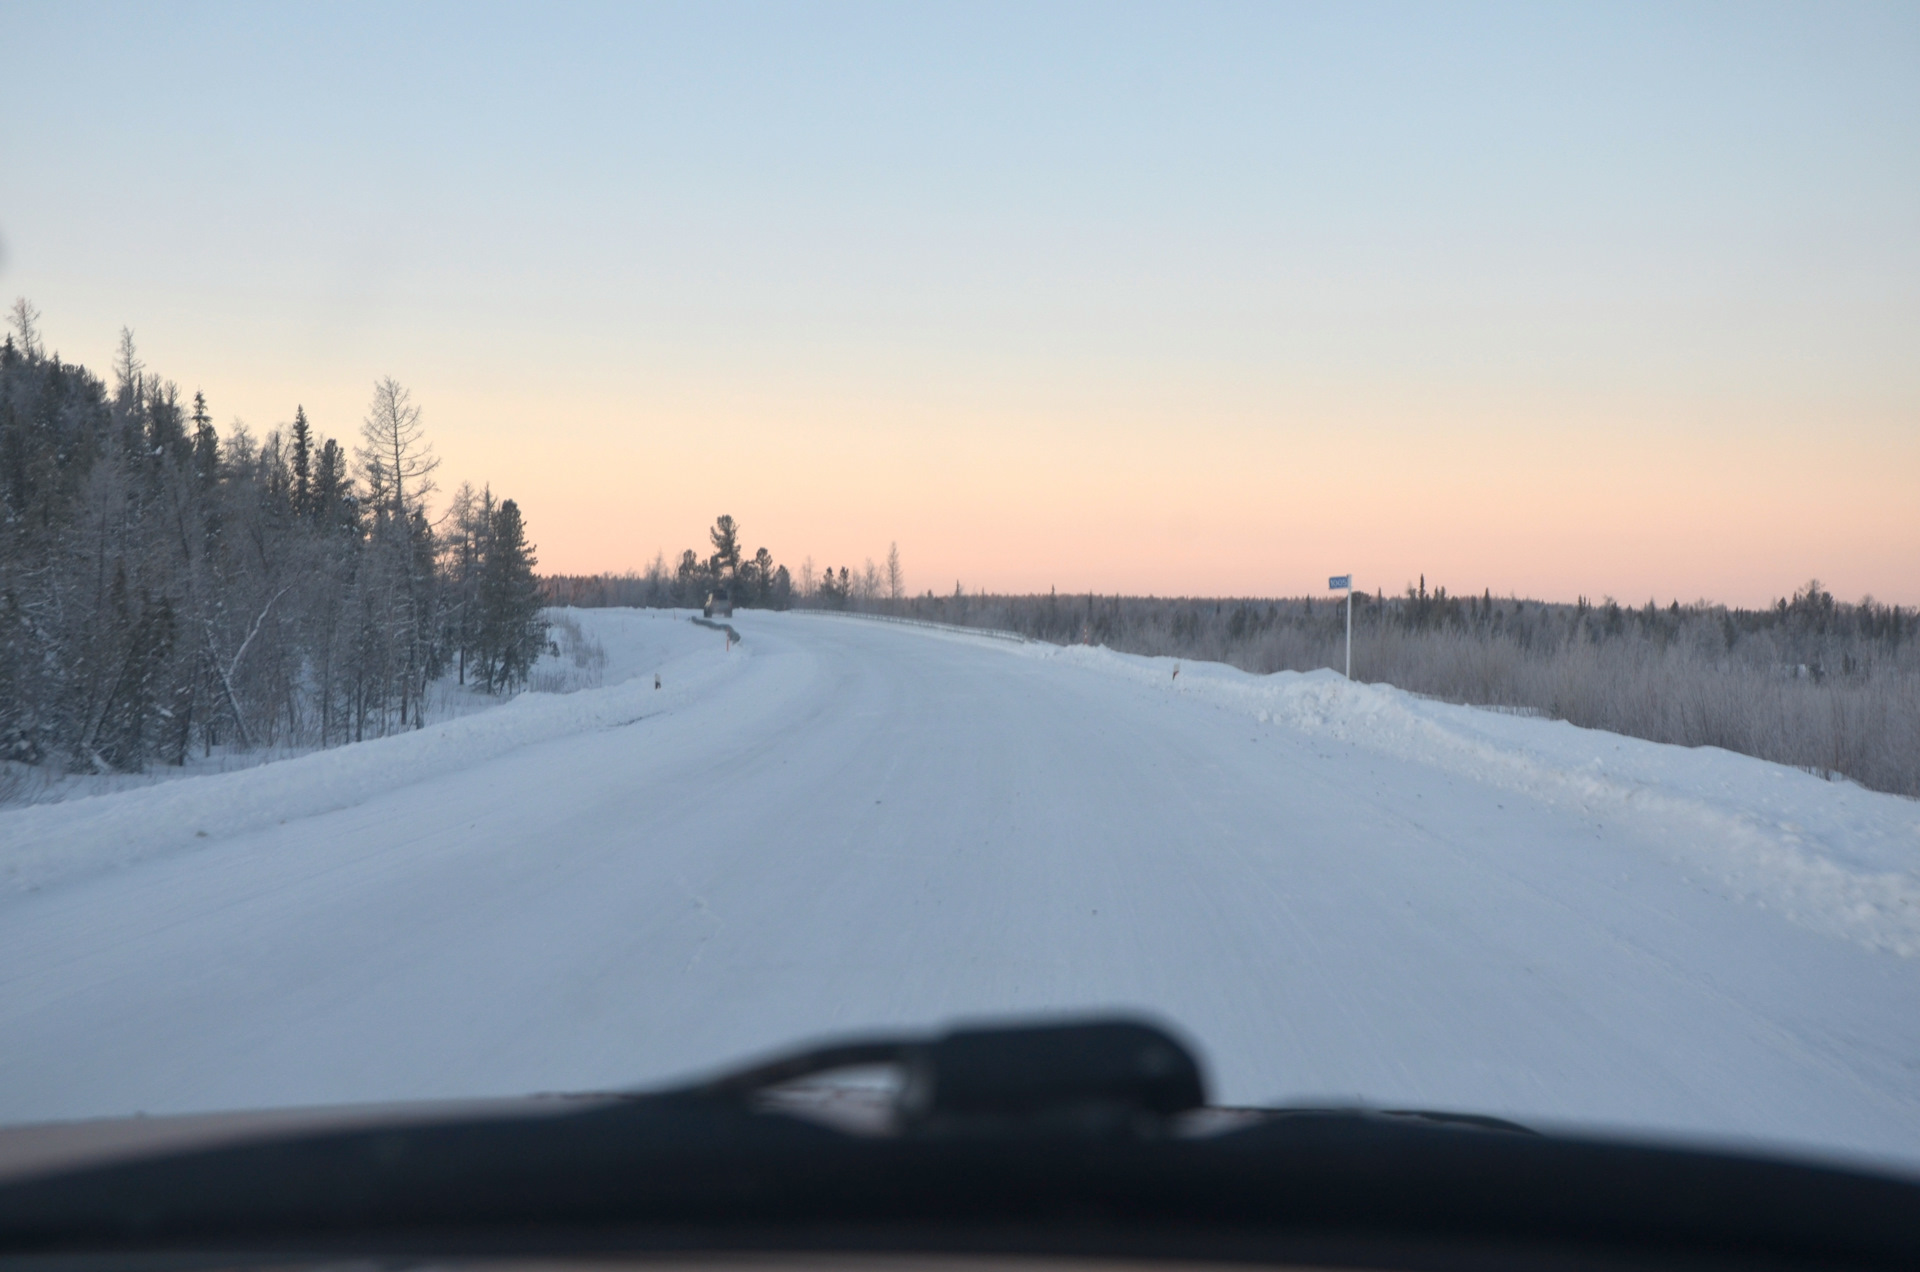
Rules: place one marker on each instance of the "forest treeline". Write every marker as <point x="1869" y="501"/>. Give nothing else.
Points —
<point x="755" y="582"/>
<point x="166" y="588"/>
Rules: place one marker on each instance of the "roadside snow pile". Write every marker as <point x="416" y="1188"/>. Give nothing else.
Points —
<point x="582" y="661"/>
<point x="1830" y="856"/>
<point x="46" y="843"/>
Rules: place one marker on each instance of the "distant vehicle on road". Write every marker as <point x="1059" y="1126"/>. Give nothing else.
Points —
<point x="719" y="604"/>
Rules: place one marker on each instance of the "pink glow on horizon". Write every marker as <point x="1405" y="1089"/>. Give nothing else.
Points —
<point x="1249" y="492"/>
<point x="1176" y="508"/>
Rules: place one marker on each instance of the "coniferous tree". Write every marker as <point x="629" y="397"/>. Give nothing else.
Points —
<point x="724" y="564"/>
<point x="302" y="458"/>
<point x="692" y="579"/>
<point x="513" y="632"/>
<point x="835" y="590"/>
<point x="756" y="579"/>
<point x="331" y="499"/>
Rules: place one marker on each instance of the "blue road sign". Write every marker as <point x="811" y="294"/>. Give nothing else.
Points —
<point x="1339" y="581"/>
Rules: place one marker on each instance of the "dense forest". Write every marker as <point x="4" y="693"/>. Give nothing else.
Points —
<point x="166" y="588"/>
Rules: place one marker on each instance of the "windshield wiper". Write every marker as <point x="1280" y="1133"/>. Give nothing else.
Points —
<point x="1090" y="1138"/>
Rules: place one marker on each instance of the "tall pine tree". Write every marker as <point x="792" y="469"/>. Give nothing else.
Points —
<point x="513" y="632"/>
<point x="302" y="496"/>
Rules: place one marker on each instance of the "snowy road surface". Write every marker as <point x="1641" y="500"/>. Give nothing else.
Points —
<point x="1340" y="891"/>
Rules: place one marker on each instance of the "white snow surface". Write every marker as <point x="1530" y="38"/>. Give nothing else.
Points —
<point x="1341" y="892"/>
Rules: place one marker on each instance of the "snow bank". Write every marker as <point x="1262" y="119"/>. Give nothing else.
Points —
<point x="1830" y="856"/>
<point x="46" y="843"/>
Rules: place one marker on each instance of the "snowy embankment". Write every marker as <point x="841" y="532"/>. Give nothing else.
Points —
<point x="1828" y="855"/>
<point x="45" y="843"/>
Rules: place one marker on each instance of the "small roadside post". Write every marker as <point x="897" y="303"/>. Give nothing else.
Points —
<point x="1335" y="584"/>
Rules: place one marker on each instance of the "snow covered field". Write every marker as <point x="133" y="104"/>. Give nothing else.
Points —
<point x="1342" y="892"/>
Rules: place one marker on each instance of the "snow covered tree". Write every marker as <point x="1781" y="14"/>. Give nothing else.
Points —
<point x="470" y="518"/>
<point x="165" y="587"/>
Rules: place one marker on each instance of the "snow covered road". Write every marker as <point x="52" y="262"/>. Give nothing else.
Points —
<point x="1339" y="892"/>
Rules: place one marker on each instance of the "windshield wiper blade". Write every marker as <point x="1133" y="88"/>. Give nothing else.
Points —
<point x="1043" y="1140"/>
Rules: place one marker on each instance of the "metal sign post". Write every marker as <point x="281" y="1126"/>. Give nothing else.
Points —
<point x="1336" y="583"/>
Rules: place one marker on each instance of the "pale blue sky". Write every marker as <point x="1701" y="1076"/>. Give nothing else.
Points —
<point x="1503" y="245"/>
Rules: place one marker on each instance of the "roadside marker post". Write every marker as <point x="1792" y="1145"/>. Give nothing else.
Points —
<point x="1336" y="583"/>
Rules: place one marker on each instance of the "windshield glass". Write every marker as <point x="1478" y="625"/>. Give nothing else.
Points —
<point x="560" y="549"/>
